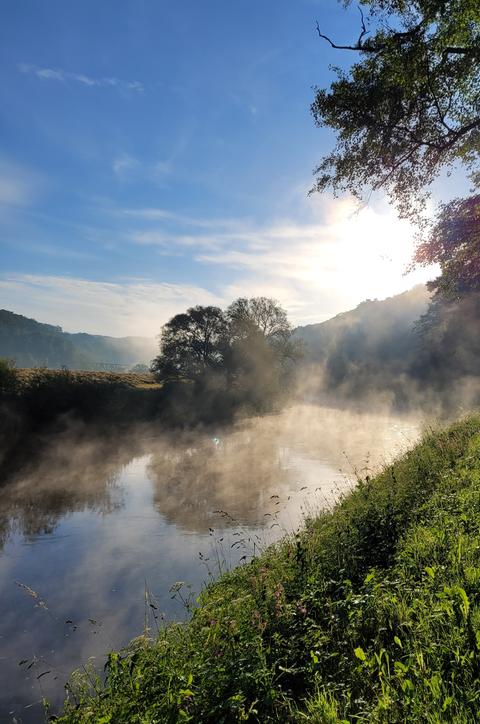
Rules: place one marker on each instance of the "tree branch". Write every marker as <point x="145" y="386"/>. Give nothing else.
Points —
<point x="362" y="47"/>
<point x="368" y="47"/>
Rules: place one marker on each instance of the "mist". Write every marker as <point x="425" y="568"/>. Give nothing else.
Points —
<point x="120" y="501"/>
<point x="410" y="352"/>
<point x="96" y="518"/>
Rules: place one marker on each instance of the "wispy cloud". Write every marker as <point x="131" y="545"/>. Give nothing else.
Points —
<point x="123" y="307"/>
<point x="332" y="260"/>
<point x="129" y="168"/>
<point x="63" y="76"/>
<point x="124" y="164"/>
<point x="326" y="264"/>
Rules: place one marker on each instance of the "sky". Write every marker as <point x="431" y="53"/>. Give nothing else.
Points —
<point x="155" y="155"/>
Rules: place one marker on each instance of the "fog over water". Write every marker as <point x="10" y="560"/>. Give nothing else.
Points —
<point x="95" y="523"/>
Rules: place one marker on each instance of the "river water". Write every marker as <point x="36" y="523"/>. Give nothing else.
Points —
<point x="96" y="535"/>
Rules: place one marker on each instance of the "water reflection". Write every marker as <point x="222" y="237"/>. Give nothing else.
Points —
<point x="97" y="519"/>
<point x="69" y="476"/>
<point x="234" y="473"/>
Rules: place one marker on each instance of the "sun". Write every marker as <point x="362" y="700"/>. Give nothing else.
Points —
<point x="368" y="254"/>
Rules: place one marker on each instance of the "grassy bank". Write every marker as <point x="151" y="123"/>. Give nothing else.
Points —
<point x="371" y="614"/>
<point x="29" y="377"/>
<point x="38" y="404"/>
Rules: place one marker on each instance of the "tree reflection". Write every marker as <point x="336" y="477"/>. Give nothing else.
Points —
<point x="72" y="475"/>
<point x="203" y="474"/>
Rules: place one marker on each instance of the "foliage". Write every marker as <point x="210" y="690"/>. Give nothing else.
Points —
<point x="191" y="343"/>
<point x="448" y="348"/>
<point x="371" y="614"/>
<point x="410" y="105"/>
<point x="452" y="322"/>
<point x="248" y="349"/>
<point x="454" y="244"/>
<point x="258" y="314"/>
<point x="261" y="352"/>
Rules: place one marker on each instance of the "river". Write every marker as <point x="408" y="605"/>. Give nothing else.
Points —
<point x="96" y="535"/>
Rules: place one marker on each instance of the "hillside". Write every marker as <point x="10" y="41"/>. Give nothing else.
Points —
<point x="400" y="350"/>
<point x="381" y="329"/>
<point x="125" y="351"/>
<point x="369" y="350"/>
<point x="34" y="344"/>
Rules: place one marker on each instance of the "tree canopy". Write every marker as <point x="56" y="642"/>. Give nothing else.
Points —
<point x="454" y="244"/>
<point x="249" y="346"/>
<point x="191" y="343"/>
<point x="261" y="314"/>
<point x="409" y="106"/>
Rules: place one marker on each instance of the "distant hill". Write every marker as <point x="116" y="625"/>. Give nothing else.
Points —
<point x="402" y="351"/>
<point x="367" y="348"/>
<point x="115" y="350"/>
<point x="34" y="344"/>
<point x="380" y="328"/>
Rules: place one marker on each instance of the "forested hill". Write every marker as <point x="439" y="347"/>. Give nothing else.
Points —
<point x="380" y="329"/>
<point x="402" y="349"/>
<point x="34" y="344"/>
<point x="367" y="350"/>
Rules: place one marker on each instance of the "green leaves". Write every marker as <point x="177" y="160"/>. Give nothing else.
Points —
<point x="360" y="653"/>
<point x="454" y="244"/>
<point x="409" y="106"/>
<point x="430" y="572"/>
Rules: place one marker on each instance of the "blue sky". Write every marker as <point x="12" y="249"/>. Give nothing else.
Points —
<point x="155" y="155"/>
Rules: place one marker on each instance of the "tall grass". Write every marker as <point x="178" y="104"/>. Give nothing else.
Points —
<point x="370" y="614"/>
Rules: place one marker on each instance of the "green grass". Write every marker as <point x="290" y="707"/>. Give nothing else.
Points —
<point x="371" y="614"/>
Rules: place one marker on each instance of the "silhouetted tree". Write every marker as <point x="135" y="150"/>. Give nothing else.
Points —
<point x="192" y="343"/>
<point x="248" y="350"/>
<point x="261" y="320"/>
<point x="410" y="106"/>
<point x="258" y="313"/>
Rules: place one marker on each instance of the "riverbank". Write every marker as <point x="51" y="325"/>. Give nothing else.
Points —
<point x="372" y="613"/>
<point x="39" y="404"/>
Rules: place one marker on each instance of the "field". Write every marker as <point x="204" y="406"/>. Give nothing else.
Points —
<point x="29" y="376"/>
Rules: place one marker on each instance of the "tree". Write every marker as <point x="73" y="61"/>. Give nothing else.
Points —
<point x="454" y="244"/>
<point x="140" y="368"/>
<point x="410" y="106"/>
<point x="265" y="319"/>
<point x="191" y="344"/>
<point x="262" y="314"/>
<point x="261" y="353"/>
<point x="247" y="350"/>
